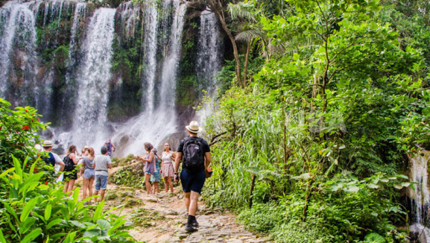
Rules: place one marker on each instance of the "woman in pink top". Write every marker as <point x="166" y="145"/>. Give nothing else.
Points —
<point x="167" y="170"/>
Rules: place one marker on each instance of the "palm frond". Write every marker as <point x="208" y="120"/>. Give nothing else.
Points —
<point x="250" y="34"/>
<point x="242" y="10"/>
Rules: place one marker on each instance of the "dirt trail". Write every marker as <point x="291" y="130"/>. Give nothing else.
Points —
<point x="162" y="218"/>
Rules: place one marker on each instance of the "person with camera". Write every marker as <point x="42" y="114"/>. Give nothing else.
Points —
<point x="196" y="157"/>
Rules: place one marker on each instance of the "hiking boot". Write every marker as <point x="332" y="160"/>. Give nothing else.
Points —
<point x="195" y="224"/>
<point x="190" y="228"/>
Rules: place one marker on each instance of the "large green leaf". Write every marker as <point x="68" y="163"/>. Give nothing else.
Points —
<point x="2" y="239"/>
<point x="27" y="209"/>
<point x="24" y="227"/>
<point x="33" y="235"/>
<point x="48" y="211"/>
<point x="98" y="211"/>
<point x="53" y="223"/>
<point x="104" y="224"/>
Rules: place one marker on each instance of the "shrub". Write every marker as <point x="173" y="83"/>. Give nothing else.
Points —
<point x="18" y="133"/>
<point x="34" y="212"/>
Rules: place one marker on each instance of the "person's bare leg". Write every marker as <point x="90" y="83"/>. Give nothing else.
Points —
<point x="66" y="186"/>
<point x="156" y="188"/>
<point x="171" y="184"/>
<point x="187" y="200"/>
<point x="147" y="184"/>
<point x="84" y="189"/>
<point x="102" y="195"/>
<point x="71" y="185"/>
<point x="96" y="193"/>
<point x="193" y="203"/>
<point x="90" y="185"/>
<point x="166" y="184"/>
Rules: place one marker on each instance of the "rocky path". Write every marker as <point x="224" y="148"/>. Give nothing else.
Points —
<point x="161" y="218"/>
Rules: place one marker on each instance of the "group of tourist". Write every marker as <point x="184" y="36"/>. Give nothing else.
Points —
<point x="90" y="167"/>
<point x="193" y="151"/>
<point x="156" y="167"/>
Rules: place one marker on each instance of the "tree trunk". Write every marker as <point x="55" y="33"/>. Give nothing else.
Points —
<point x="248" y="48"/>
<point x="217" y="8"/>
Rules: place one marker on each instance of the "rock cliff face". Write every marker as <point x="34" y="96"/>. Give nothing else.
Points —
<point x="132" y="73"/>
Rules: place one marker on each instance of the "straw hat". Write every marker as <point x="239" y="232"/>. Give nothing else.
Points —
<point x="47" y="144"/>
<point x="194" y="127"/>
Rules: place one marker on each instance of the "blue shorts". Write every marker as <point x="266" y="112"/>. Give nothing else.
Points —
<point x="89" y="174"/>
<point x="193" y="181"/>
<point x="101" y="182"/>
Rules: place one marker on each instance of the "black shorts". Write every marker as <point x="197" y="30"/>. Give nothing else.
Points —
<point x="70" y="175"/>
<point x="193" y="181"/>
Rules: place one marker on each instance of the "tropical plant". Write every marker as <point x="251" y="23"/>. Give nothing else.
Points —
<point x="19" y="129"/>
<point x="34" y="212"/>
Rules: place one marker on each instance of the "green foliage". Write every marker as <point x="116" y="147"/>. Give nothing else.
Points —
<point x="18" y="133"/>
<point x="126" y="84"/>
<point x="324" y="128"/>
<point x="226" y="77"/>
<point x="130" y="176"/>
<point x="34" y="212"/>
<point x="144" y="218"/>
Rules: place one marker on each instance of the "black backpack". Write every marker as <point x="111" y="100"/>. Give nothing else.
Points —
<point x="49" y="159"/>
<point x="194" y="159"/>
<point x="68" y="163"/>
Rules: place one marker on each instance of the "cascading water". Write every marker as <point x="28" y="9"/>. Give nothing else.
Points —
<point x="68" y="73"/>
<point x="420" y="201"/>
<point x="18" y="44"/>
<point x="150" y="52"/>
<point x="209" y="59"/>
<point x="155" y="126"/>
<point x="94" y="73"/>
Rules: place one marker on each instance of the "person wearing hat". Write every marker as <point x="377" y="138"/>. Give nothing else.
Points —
<point x="50" y="157"/>
<point x="196" y="157"/>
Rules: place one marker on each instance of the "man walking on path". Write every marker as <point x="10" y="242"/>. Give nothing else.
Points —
<point x="196" y="156"/>
<point x="50" y="157"/>
<point x="101" y="165"/>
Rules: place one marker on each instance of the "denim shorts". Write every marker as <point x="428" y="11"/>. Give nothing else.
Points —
<point x="193" y="181"/>
<point x="101" y="182"/>
<point x="89" y="174"/>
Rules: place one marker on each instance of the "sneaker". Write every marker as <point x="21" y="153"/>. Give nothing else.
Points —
<point x="190" y="228"/>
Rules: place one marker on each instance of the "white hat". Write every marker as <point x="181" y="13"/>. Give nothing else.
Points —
<point x="193" y="127"/>
<point x="47" y="144"/>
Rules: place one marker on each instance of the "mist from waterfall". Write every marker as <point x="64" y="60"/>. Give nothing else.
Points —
<point x="90" y="116"/>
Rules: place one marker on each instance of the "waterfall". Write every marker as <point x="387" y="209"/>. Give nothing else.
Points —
<point x="150" y="53"/>
<point x="155" y="126"/>
<point x="66" y="73"/>
<point x="94" y="73"/>
<point x="170" y="65"/>
<point x="18" y="35"/>
<point x="420" y="201"/>
<point x="209" y="59"/>
<point x="78" y="16"/>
